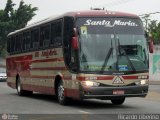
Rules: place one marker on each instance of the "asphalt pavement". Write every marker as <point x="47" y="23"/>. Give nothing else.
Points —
<point x="46" y="107"/>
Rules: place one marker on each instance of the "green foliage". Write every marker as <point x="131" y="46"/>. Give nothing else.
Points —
<point x="8" y="11"/>
<point x="12" y="19"/>
<point x="23" y="14"/>
<point x="152" y="27"/>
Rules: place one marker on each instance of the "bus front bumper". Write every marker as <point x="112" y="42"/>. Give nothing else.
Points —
<point x="113" y="92"/>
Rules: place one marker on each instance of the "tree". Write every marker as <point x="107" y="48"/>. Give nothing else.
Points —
<point x="12" y="19"/>
<point x="146" y="19"/>
<point x="8" y="10"/>
<point x="23" y="14"/>
<point x="152" y="27"/>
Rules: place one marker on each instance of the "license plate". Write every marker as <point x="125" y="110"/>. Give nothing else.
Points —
<point x="118" y="92"/>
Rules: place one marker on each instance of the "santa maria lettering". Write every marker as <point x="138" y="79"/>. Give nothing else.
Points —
<point x="106" y="23"/>
<point x="102" y="22"/>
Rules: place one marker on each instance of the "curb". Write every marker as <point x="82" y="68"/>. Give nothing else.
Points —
<point x="154" y="82"/>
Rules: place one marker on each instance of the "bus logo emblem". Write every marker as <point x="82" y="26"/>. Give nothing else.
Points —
<point x="118" y="80"/>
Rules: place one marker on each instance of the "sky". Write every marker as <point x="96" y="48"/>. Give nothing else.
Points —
<point x="55" y="7"/>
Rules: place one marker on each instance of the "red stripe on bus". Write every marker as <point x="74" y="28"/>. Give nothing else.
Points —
<point x="105" y="78"/>
<point x="48" y="60"/>
<point x="130" y="77"/>
<point x="20" y="58"/>
<point x="96" y="78"/>
<point x="81" y="78"/>
<point x="50" y="68"/>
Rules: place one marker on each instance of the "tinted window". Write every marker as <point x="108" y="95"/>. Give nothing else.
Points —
<point x="21" y="41"/>
<point x="18" y="43"/>
<point x="27" y="40"/>
<point x="35" y="38"/>
<point x="13" y="44"/>
<point x="56" y="33"/>
<point x="67" y="37"/>
<point x="44" y="36"/>
<point x="9" y="45"/>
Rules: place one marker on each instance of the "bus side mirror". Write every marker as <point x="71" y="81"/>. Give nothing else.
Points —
<point x="150" y="41"/>
<point x="75" y="43"/>
<point x="151" y="46"/>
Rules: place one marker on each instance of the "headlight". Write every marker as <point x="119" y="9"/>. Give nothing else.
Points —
<point x="142" y="82"/>
<point x="90" y="83"/>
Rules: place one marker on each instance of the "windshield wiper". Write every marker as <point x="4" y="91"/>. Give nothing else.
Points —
<point x="125" y="54"/>
<point x="107" y="58"/>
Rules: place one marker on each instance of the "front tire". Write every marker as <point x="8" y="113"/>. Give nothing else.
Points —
<point x="60" y="94"/>
<point x="118" y="101"/>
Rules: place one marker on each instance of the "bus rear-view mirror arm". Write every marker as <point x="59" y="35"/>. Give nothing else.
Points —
<point x="150" y="42"/>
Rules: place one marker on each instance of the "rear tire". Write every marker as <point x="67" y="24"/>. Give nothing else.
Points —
<point x="20" y="91"/>
<point x="60" y="94"/>
<point x="118" y="101"/>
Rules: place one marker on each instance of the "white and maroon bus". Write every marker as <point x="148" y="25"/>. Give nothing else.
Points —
<point x="87" y="54"/>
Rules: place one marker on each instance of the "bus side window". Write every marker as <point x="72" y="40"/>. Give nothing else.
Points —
<point x="9" y="45"/>
<point x="56" y="33"/>
<point x="21" y="42"/>
<point x="67" y="37"/>
<point x="35" y="38"/>
<point x="13" y="41"/>
<point x="24" y="41"/>
<point x="18" y="43"/>
<point x="27" y="41"/>
<point x="44" y="36"/>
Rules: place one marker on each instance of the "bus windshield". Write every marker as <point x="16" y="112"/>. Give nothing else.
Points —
<point x="112" y="44"/>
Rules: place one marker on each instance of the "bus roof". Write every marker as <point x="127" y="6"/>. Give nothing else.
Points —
<point x="101" y="13"/>
<point x="89" y="13"/>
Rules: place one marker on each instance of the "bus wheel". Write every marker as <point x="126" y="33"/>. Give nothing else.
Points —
<point x="118" y="101"/>
<point x="20" y="91"/>
<point x="19" y="87"/>
<point x="60" y="94"/>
